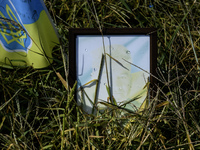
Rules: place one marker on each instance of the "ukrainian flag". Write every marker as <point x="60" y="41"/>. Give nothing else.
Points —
<point x="27" y="34"/>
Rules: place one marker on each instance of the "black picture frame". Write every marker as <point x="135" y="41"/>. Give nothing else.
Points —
<point x="92" y="34"/>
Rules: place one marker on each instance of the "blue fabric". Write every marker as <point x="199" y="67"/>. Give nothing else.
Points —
<point x="10" y="32"/>
<point x="28" y="10"/>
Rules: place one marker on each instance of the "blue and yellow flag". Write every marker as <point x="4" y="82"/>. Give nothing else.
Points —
<point x="27" y="34"/>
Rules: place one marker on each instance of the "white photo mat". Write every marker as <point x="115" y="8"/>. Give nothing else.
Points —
<point x="125" y="80"/>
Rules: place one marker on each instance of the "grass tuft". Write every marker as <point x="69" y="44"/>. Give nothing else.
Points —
<point x="37" y="107"/>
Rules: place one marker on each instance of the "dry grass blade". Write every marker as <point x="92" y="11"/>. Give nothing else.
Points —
<point x="97" y="83"/>
<point x="63" y="81"/>
<point x="7" y="102"/>
<point x="117" y="61"/>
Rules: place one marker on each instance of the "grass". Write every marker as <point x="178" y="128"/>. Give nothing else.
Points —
<point x="38" y="110"/>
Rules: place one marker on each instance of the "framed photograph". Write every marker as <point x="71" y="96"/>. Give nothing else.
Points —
<point x="112" y="67"/>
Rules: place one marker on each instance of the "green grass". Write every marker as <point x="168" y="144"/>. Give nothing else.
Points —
<point x="38" y="110"/>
